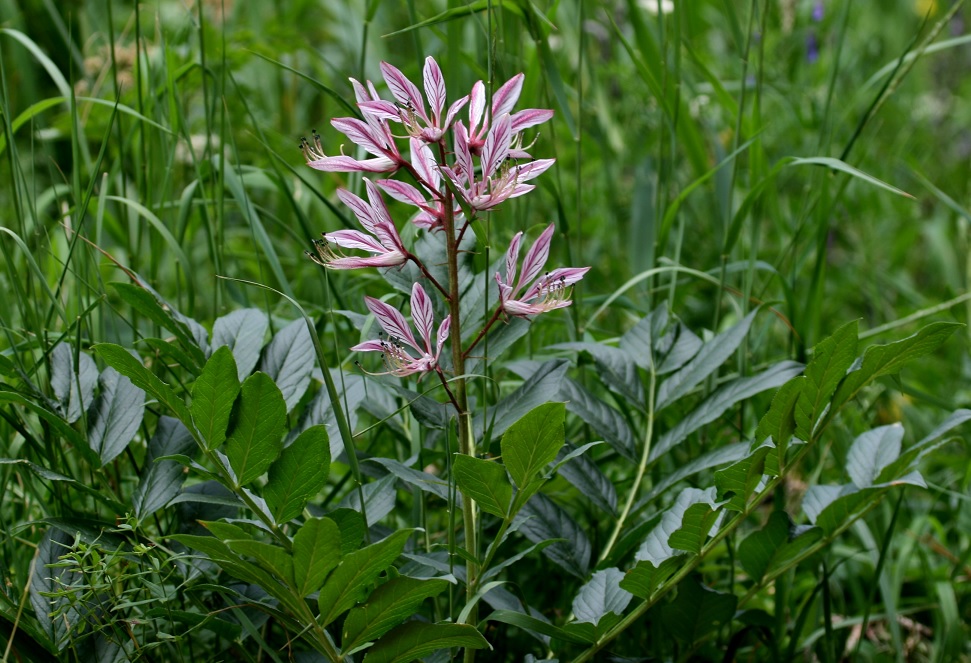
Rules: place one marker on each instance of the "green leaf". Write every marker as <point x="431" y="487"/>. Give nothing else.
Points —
<point x="350" y="582"/>
<point x="414" y="640"/>
<point x="535" y="391"/>
<point x="696" y="524"/>
<point x="316" y="552"/>
<point x="836" y="164"/>
<point x="66" y="382"/>
<point x="601" y="595"/>
<point x="881" y="360"/>
<point x="656" y="547"/>
<point x="352" y="528"/>
<point x="775" y="544"/>
<point x="779" y="423"/>
<point x="48" y="579"/>
<point x="484" y="481"/>
<point x="831" y="507"/>
<point x="272" y="558"/>
<point x="389" y="605"/>
<point x="243" y="332"/>
<point x="145" y="302"/>
<point x="604" y="419"/>
<point x="641" y="340"/>
<point x="871" y="452"/>
<point x="585" y="476"/>
<point x="289" y="359"/>
<point x="737" y="482"/>
<point x="708" y="360"/>
<point x="696" y="611"/>
<point x="645" y="577"/>
<point x="832" y="357"/>
<point x="541" y="520"/>
<point x="531" y="443"/>
<point x="530" y="623"/>
<point x="257" y="437"/>
<point x="115" y="416"/>
<point x="298" y="474"/>
<point x="122" y="361"/>
<point x="161" y="479"/>
<point x="724" y="398"/>
<point x="424" y="481"/>
<point x="213" y="395"/>
<point x="729" y="453"/>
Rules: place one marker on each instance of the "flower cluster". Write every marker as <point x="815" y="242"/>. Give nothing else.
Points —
<point x="451" y="181"/>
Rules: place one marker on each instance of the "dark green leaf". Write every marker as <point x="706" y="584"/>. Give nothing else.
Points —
<point x="531" y="443"/>
<point x="316" y="552"/>
<point x="146" y="302"/>
<point x="774" y="545"/>
<point x="696" y="524"/>
<point x="66" y="382"/>
<point x="423" y="481"/>
<point x="779" y="422"/>
<point x="122" y="361"/>
<point x="871" y="452"/>
<point x="656" y="547"/>
<point x="832" y="507"/>
<point x="485" y="482"/>
<point x="350" y="582"/>
<point x="684" y="346"/>
<point x="47" y="580"/>
<point x="644" y="578"/>
<point x="272" y="558"/>
<point x="414" y="640"/>
<point x="257" y="437"/>
<point x="161" y="479"/>
<point x="541" y="520"/>
<point x="727" y="454"/>
<point x="615" y="368"/>
<point x="708" y="360"/>
<point x="243" y="332"/>
<point x="289" y="359"/>
<point x="639" y="341"/>
<point x="737" y="482"/>
<point x="601" y="595"/>
<point x="531" y="623"/>
<point x="298" y="474"/>
<point x="115" y="416"/>
<point x="887" y="359"/>
<point x="604" y="419"/>
<point x="352" y="528"/>
<point x="832" y="357"/>
<point x="696" y="611"/>
<point x="533" y="392"/>
<point x="389" y="605"/>
<point x="586" y="477"/>
<point x="379" y="499"/>
<point x="720" y="401"/>
<point x="213" y="395"/>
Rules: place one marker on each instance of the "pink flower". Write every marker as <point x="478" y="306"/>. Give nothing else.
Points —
<point x="383" y="240"/>
<point x="431" y="215"/>
<point x="500" y="179"/>
<point x="502" y="103"/>
<point x="410" y="106"/>
<point x="548" y="292"/>
<point x="397" y="358"/>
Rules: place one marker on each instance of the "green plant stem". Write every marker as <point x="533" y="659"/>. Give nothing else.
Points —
<point x="641" y="470"/>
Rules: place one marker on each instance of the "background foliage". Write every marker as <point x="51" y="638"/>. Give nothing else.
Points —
<point x="696" y="172"/>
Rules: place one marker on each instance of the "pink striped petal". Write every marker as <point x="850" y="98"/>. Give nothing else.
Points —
<point x="402" y="192"/>
<point x="506" y="97"/>
<point x="344" y="164"/>
<point x="387" y="259"/>
<point x="360" y="94"/>
<point x="536" y="257"/>
<point x="424" y="162"/>
<point x="496" y="147"/>
<point x="369" y="346"/>
<point x="354" y="239"/>
<point x="434" y="88"/>
<point x="422" y="314"/>
<point x="381" y="109"/>
<point x="361" y="209"/>
<point x="453" y="111"/>
<point x="529" y="118"/>
<point x="403" y="90"/>
<point x="463" y="156"/>
<point x="443" y="331"/>
<point x="361" y="134"/>
<point x="391" y="321"/>
<point x="476" y="106"/>
<point x="512" y="258"/>
<point x="380" y="210"/>
<point x="528" y="171"/>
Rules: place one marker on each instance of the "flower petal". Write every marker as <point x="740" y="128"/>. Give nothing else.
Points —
<point x="496" y="147"/>
<point x="381" y="109"/>
<point x="529" y="118"/>
<point x="422" y="314"/>
<point x="434" y="88"/>
<point x="387" y="259"/>
<point x="463" y="156"/>
<point x="443" y="331"/>
<point x="476" y="106"/>
<point x="369" y="346"/>
<point x="361" y="209"/>
<point x="355" y="239"/>
<point x="536" y="257"/>
<point x="512" y="258"/>
<point x="403" y="90"/>
<point x="391" y="321"/>
<point x="343" y="164"/>
<point x="453" y="111"/>
<point x="402" y="192"/>
<point x="506" y="97"/>
<point x="424" y="162"/>
<point x="361" y="134"/>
